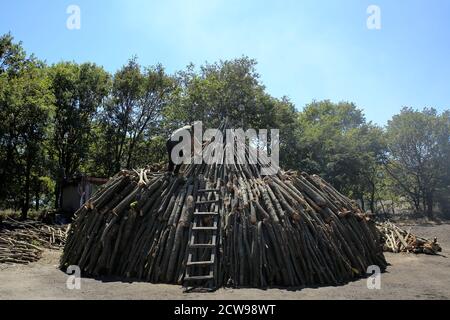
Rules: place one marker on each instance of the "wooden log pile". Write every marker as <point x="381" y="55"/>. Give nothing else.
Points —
<point x="398" y="240"/>
<point x="24" y="242"/>
<point x="287" y="230"/>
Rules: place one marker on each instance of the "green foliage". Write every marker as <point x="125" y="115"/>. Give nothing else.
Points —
<point x="226" y="89"/>
<point x="60" y="120"/>
<point x="336" y="142"/>
<point x="132" y="114"/>
<point x="79" y="91"/>
<point x="26" y="109"/>
<point x="12" y="55"/>
<point x="419" y="146"/>
<point x="231" y="89"/>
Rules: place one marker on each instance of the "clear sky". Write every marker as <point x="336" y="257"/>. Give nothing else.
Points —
<point x="306" y="49"/>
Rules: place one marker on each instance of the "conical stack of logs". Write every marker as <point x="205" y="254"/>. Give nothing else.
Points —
<point x="286" y="229"/>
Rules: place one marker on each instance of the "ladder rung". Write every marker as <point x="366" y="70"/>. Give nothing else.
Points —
<point x="202" y="245"/>
<point x="207" y="202"/>
<point x="200" y="263"/>
<point x="192" y="243"/>
<point x="193" y="278"/>
<point x="205" y="213"/>
<point x="204" y="228"/>
<point x="213" y="227"/>
<point x="208" y="190"/>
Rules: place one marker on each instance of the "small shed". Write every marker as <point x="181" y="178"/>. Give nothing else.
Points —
<point x="77" y="190"/>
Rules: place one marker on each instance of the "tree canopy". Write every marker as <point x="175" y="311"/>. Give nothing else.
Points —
<point x="68" y="118"/>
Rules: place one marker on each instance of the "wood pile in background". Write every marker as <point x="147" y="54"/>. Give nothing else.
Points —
<point x="24" y="242"/>
<point x="398" y="240"/>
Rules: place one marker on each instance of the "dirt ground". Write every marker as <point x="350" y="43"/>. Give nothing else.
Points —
<point x="408" y="277"/>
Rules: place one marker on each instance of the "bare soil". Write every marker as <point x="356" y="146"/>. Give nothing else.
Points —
<point x="409" y="276"/>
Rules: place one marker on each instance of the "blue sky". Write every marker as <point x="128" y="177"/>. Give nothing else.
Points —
<point x="306" y="50"/>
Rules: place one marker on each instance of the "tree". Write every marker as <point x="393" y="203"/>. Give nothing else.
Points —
<point x="68" y="118"/>
<point x="133" y="111"/>
<point x="372" y="148"/>
<point x="79" y="92"/>
<point x="419" y="144"/>
<point x="225" y="89"/>
<point x="336" y="142"/>
<point x="25" y="109"/>
<point x="231" y="89"/>
<point x="12" y="55"/>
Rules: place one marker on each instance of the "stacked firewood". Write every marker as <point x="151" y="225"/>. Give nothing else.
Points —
<point x="288" y="229"/>
<point x="24" y="242"/>
<point x="398" y="240"/>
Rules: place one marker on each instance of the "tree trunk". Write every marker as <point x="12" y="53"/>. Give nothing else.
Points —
<point x="424" y="203"/>
<point x="130" y="155"/>
<point x="429" y="202"/>
<point x="393" y="203"/>
<point x="26" y="203"/>
<point x="416" y="201"/>
<point x="372" y="199"/>
<point x="57" y="188"/>
<point x="37" y="194"/>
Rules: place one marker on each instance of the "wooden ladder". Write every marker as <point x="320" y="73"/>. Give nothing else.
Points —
<point x="203" y="240"/>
